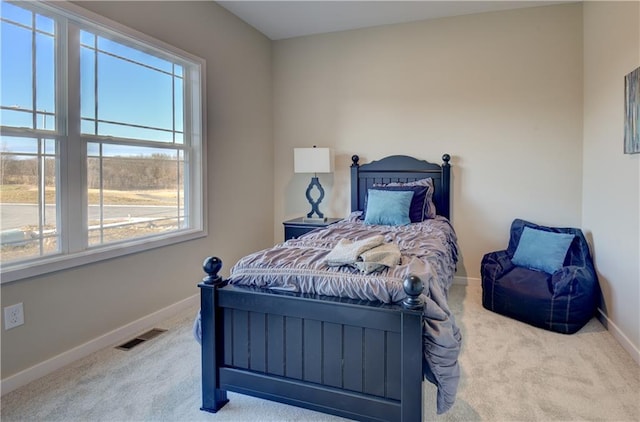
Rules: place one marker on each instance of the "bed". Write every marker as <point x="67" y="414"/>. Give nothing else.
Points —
<point x="361" y="354"/>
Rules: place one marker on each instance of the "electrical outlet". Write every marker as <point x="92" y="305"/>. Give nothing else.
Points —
<point x="13" y="316"/>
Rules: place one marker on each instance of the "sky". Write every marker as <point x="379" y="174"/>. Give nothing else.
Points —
<point x="145" y="80"/>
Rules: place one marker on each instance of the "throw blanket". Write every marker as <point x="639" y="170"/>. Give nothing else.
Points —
<point x="367" y="255"/>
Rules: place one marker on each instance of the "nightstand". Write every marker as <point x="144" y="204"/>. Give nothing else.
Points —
<point x="297" y="227"/>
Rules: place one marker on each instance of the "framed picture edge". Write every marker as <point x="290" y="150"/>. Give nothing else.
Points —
<point x="632" y="112"/>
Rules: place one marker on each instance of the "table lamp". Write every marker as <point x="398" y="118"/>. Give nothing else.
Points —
<point x="313" y="160"/>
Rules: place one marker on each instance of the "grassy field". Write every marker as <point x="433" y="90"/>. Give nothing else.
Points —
<point x="25" y="194"/>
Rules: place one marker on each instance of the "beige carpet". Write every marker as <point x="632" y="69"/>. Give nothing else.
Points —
<point x="510" y="372"/>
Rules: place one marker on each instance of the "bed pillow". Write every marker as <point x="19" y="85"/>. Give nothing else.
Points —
<point x="418" y="206"/>
<point x="430" y="211"/>
<point x="386" y="207"/>
<point x="542" y="250"/>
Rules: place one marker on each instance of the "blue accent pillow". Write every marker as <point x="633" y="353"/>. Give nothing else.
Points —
<point x="542" y="250"/>
<point x="386" y="207"/>
<point x="418" y="207"/>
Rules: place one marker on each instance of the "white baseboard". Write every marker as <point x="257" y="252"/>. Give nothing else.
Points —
<point x="466" y="281"/>
<point x="617" y="333"/>
<point x="109" y="339"/>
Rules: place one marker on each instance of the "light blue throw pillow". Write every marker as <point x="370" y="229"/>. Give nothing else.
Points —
<point x="542" y="250"/>
<point x="386" y="207"/>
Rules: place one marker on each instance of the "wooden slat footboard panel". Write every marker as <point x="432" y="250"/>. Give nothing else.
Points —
<point x="357" y="361"/>
<point x="314" y="351"/>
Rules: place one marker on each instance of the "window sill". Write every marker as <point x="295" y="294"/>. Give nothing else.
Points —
<point x="47" y="265"/>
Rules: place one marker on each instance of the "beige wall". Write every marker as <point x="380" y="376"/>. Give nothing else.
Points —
<point x="611" y="179"/>
<point x="500" y="92"/>
<point x="69" y="308"/>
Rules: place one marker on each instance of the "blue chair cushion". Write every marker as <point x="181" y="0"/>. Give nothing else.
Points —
<point x="542" y="250"/>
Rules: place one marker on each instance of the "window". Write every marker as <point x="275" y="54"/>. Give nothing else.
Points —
<point x="102" y="140"/>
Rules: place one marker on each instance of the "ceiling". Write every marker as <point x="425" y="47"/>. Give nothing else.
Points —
<point x="287" y="19"/>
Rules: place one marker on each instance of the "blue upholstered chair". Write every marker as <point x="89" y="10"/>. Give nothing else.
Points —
<point x="545" y="278"/>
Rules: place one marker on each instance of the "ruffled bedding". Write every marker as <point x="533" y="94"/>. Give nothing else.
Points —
<point x="428" y="250"/>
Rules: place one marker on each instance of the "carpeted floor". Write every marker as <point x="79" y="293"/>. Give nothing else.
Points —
<point x="510" y="372"/>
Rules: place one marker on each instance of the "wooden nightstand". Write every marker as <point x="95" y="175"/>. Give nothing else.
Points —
<point x="297" y="227"/>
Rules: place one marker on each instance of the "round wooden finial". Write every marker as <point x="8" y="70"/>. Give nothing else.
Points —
<point x="413" y="287"/>
<point x="446" y="158"/>
<point x="212" y="266"/>
<point x="355" y="159"/>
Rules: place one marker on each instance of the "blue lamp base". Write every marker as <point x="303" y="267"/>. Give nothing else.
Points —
<point x="314" y="203"/>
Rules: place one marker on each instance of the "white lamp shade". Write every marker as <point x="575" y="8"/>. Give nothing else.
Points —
<point x="312" y="160"/>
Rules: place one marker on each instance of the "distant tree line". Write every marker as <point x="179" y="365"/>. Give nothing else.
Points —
<point x="160" y="171"/>
<point x="24" y="171"/>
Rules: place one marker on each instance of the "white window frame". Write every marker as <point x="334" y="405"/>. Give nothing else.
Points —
<point x="72" y="152"/>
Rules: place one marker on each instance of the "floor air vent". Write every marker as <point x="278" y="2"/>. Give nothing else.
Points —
<point x="141" y="339"/>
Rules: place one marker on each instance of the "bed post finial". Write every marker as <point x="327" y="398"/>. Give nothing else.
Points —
<point x="413" y="288"/>
<point x="355" y="168"/>
<point x="211" y="266"/>
<point x="444" y="207"/>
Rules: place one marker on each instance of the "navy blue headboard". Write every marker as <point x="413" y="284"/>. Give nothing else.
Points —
<point x="401" y="168"/>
